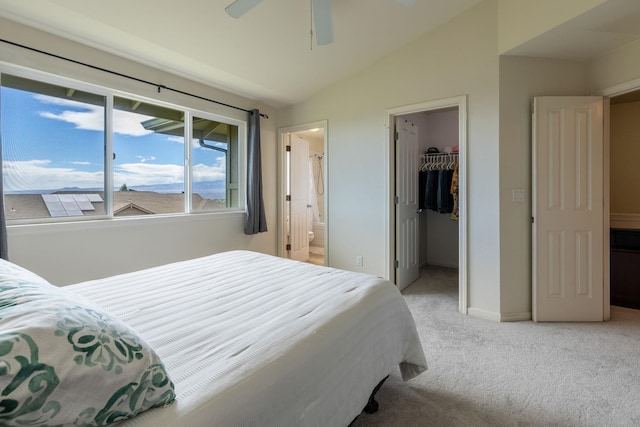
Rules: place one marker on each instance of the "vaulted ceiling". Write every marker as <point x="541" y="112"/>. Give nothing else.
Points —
<point x="269" y="55"/>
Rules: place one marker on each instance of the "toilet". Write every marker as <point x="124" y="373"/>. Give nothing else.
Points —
<point x="311" y="236"/>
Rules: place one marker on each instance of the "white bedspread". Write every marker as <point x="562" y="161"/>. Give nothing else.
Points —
<point x="255" y="340"/>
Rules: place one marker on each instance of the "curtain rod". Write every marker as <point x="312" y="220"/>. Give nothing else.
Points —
<point x="159" y="86"/>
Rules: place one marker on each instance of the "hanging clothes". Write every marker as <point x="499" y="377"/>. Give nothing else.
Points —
<point x="435" y="180"/>
<point x="454" y="193"/>
<point x="422" y="189"/>
<point x="431" y="190"/>
<point x="445" y="199"/>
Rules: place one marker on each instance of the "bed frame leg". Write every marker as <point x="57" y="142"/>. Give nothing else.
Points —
<point x="372" y="405"/>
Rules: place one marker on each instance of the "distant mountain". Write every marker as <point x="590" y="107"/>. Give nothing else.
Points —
<point x="207" y="189"/>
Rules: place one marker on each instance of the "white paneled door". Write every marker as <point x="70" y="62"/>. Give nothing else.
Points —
<point x="299" y="210"/>
<point x="407" y="164"/>
<point x="568" y="211"/>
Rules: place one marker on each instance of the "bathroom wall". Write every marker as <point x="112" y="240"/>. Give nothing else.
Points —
<point x="316" y="146"/>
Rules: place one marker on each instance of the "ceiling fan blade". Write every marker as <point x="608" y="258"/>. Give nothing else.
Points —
<point x="240" y="7"/>
<point x="406" y="2"/>
<point x="322" y="21"/>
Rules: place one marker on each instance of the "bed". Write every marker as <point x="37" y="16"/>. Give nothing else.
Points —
<point x="232" y="339"/>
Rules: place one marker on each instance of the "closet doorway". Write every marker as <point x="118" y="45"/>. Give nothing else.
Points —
<point x="303" y="193"/>
<point x="439" y="236"/>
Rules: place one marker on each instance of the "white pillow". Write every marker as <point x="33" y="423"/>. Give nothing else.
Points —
<point x="65" y="361"/>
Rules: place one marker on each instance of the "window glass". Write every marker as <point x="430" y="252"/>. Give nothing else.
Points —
<point x="215" y="165"/>
<point x="65" y="155"/>
<point x="148" y="165"/>
<point x="53" y="145"/>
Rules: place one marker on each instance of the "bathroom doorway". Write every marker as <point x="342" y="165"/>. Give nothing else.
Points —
<point x="303" y="190"/>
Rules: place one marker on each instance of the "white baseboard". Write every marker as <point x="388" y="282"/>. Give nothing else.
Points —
<point x="515" y="317"/>
<point x="483" y="314"/>
<point x="624" y="221"/>
<point x="498" y="317"/>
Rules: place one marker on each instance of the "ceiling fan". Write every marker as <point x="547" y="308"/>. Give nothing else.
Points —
<point x="321" y="10"/>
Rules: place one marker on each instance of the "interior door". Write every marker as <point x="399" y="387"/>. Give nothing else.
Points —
<point x="299" y="176"/>
<point x="407" y="232"/>
<point x="568" y="198"/>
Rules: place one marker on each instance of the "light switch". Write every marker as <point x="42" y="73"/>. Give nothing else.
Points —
<point x="517" y="195"/>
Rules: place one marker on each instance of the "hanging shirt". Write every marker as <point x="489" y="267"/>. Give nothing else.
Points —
<point x="454" y="193"/>
<point x="445" y="199"/>
<point x="431" y="190"/>
<point x="422" y="189"/>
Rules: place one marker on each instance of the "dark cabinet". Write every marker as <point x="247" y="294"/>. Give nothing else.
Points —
<point x="625" y="268"/>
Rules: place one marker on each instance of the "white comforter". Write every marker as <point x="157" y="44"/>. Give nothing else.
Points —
<point x="255" y="340"/>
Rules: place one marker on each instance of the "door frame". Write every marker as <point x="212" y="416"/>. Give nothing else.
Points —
<point x="390" y="250"/>
<point x="283" y="132"/>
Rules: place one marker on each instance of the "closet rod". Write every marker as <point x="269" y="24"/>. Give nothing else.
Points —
<point x="431" y="155"/>
<point x="159" y="86"/>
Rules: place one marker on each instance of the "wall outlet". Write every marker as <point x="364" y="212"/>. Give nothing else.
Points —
<point x="359" y="260"/>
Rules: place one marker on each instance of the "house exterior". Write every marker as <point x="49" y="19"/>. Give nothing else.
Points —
<point x="475" y="55"/>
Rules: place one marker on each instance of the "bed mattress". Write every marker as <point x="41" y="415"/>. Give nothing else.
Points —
<point x="255" y="340"/>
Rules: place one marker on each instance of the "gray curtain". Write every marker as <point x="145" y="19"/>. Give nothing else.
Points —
<point x="256" y="219"/>
<point x="3" y="223"/>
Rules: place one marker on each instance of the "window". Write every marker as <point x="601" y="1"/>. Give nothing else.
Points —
<point x="215" y="165"/>
<point x="148" y="161"/>
<point x="54" y="140"/>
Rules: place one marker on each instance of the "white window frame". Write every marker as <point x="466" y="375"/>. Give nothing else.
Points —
<point x="242" y="147"/>
<point x="233" y="119"/>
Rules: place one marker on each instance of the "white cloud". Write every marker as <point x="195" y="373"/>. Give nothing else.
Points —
<point x="81" y="163"/>
<point x="37" y="175"/>
<point x="91" y="117"/>
<point x="126" y="123"/>
<point x="144" y="159"/>
<point x="146" y="174"/>
<point x="203" y="172"/>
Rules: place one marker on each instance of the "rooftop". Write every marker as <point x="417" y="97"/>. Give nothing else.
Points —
<point x="125" y="203"/>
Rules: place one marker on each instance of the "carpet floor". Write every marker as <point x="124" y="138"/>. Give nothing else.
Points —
<point x="525" y="374"/>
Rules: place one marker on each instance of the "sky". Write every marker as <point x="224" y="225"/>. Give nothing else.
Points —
<point x="51" y="143"/>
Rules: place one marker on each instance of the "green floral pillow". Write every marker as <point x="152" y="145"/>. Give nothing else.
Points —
<point x="64" y="361"/>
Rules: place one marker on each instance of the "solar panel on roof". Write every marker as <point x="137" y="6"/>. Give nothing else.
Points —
<point x="54" y="206"/>
<point x="61" y="205"/>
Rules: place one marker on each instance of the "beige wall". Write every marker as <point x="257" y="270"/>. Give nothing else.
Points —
<point x="458" y="59"/>
<point x="618" y="67"/>
<point x="522" y="20"/>
<point x="70" y="252"/>
<point x="625" y="158"/>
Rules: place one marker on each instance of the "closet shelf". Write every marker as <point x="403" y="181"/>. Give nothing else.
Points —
<point x="431" y="161"/>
